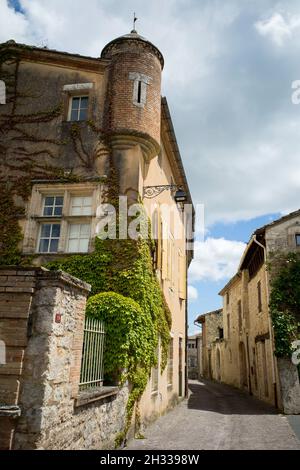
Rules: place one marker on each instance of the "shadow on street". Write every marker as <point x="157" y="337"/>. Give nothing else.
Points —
<point x="220" y="398"/>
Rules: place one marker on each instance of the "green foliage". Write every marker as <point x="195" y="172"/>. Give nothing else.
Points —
<point x="127" y="296"/>
<point x="285" y="300"/>
<point x="129" y="335"/>
<point x="125" y="289"/>
<point x="129" y="343"/>
<point x="10" y="229"/>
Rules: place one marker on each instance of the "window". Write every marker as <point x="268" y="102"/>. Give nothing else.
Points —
<point x="170" y="362"/>
<point x="227" y="298"/>
<point x="140" y="82"/>
<point x="49" y="238"/>
<point x="139" y="92"/>
<point x="259" y="296"/>
<point x="221" y="332"/>
<point x="53" y="206"/>
<point x="92" y="362"/>
<point x="72" y="207"/>
<point x="297" y="236"/>
<point x="79" y="108"/>
<point x="81" y="205"/>
<point x="79" y="236"/>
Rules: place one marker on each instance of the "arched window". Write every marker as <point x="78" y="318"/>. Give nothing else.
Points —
<point x="2" y="92"/>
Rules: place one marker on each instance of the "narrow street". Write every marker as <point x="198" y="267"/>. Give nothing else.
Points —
<point x="218" y="417"/>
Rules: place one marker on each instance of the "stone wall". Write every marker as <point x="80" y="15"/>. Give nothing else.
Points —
<point x="211" y="323"/>
<point x="42" y="319"/>
<point x="290" y="386"/>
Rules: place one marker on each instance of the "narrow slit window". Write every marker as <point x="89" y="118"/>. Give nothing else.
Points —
<point x="139" y="94"/>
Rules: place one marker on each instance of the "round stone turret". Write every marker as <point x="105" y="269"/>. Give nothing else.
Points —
<point x="133" y="104"/>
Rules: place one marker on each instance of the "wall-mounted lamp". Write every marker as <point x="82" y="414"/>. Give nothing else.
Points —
<point x="153" y="191"/>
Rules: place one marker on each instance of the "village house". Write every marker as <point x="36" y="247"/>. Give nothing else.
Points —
<point x="212" y="335"/>
<point x="194" y="359"/>
<point x="72" y="129"/>
<point x="245" y="356"/>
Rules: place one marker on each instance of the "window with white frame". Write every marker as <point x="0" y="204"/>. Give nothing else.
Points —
<point x="81" y="205"/>
<point x="70" y="233"/>
<point x="79" y="237"/>
<point x="53" y="206"/>
<point x="49" y="238"/>
<point x="78" y="108"/>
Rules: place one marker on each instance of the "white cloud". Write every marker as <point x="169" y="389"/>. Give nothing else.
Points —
<point x="192" y="293"/>
<point x="230" y="98"/>
<point x="278" y="28"/>
<point x="215" y="259"/>
<point x="12" y="25"/>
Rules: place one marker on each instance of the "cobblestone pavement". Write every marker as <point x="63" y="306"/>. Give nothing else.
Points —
<point x="218" y="417"/>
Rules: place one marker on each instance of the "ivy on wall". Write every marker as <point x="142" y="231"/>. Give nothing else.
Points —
<point x="124" y="284"/>
<point x="285" y="300"/>
<point x="26" y="150"/>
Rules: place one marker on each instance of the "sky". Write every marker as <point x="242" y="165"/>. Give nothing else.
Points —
<point x="229" y="70"/>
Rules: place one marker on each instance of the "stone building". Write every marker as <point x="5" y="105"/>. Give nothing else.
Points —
<point x="212" y="336"/>
<point x="194" y="360"/>
<point x="71" y="127"/>
<point x="247" y="350"/>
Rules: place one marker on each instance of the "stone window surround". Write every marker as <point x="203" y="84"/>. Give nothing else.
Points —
<point x="35" y="217"/>
<point x="77" y="90"/>
<point x="82" y="95"/>
<point x="140" y="83"/>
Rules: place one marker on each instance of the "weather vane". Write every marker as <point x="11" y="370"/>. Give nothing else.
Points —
<point x="134" y="21"/>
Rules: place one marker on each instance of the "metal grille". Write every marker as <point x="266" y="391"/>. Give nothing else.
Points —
<point x="91" y="374"/>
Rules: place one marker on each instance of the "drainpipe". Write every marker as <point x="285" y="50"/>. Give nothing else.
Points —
<point x="270" y="324"/>
<point x="186" y="379"/>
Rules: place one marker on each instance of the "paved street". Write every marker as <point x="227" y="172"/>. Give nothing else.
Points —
<point x="218" y="417"/>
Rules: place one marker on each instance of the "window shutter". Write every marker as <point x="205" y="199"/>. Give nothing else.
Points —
<point x="159" y="241"/>
<point x="164" y="268"/>
<point x="182" y="276"/>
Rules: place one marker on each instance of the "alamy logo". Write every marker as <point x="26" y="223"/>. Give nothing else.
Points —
<point x="2" y="353"/>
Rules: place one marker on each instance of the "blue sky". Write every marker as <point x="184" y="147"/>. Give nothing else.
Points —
<point x="229" y="69"/>
<point x="208" y="298"/>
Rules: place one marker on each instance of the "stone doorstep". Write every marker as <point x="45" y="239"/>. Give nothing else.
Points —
<point x="10" y="411"/>
<point x="90" y="396"/>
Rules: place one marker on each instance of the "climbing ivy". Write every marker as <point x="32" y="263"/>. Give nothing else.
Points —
<point x="26" y="150"/>
<point x="285" y="300"/>
<point x="124" y="284"/>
